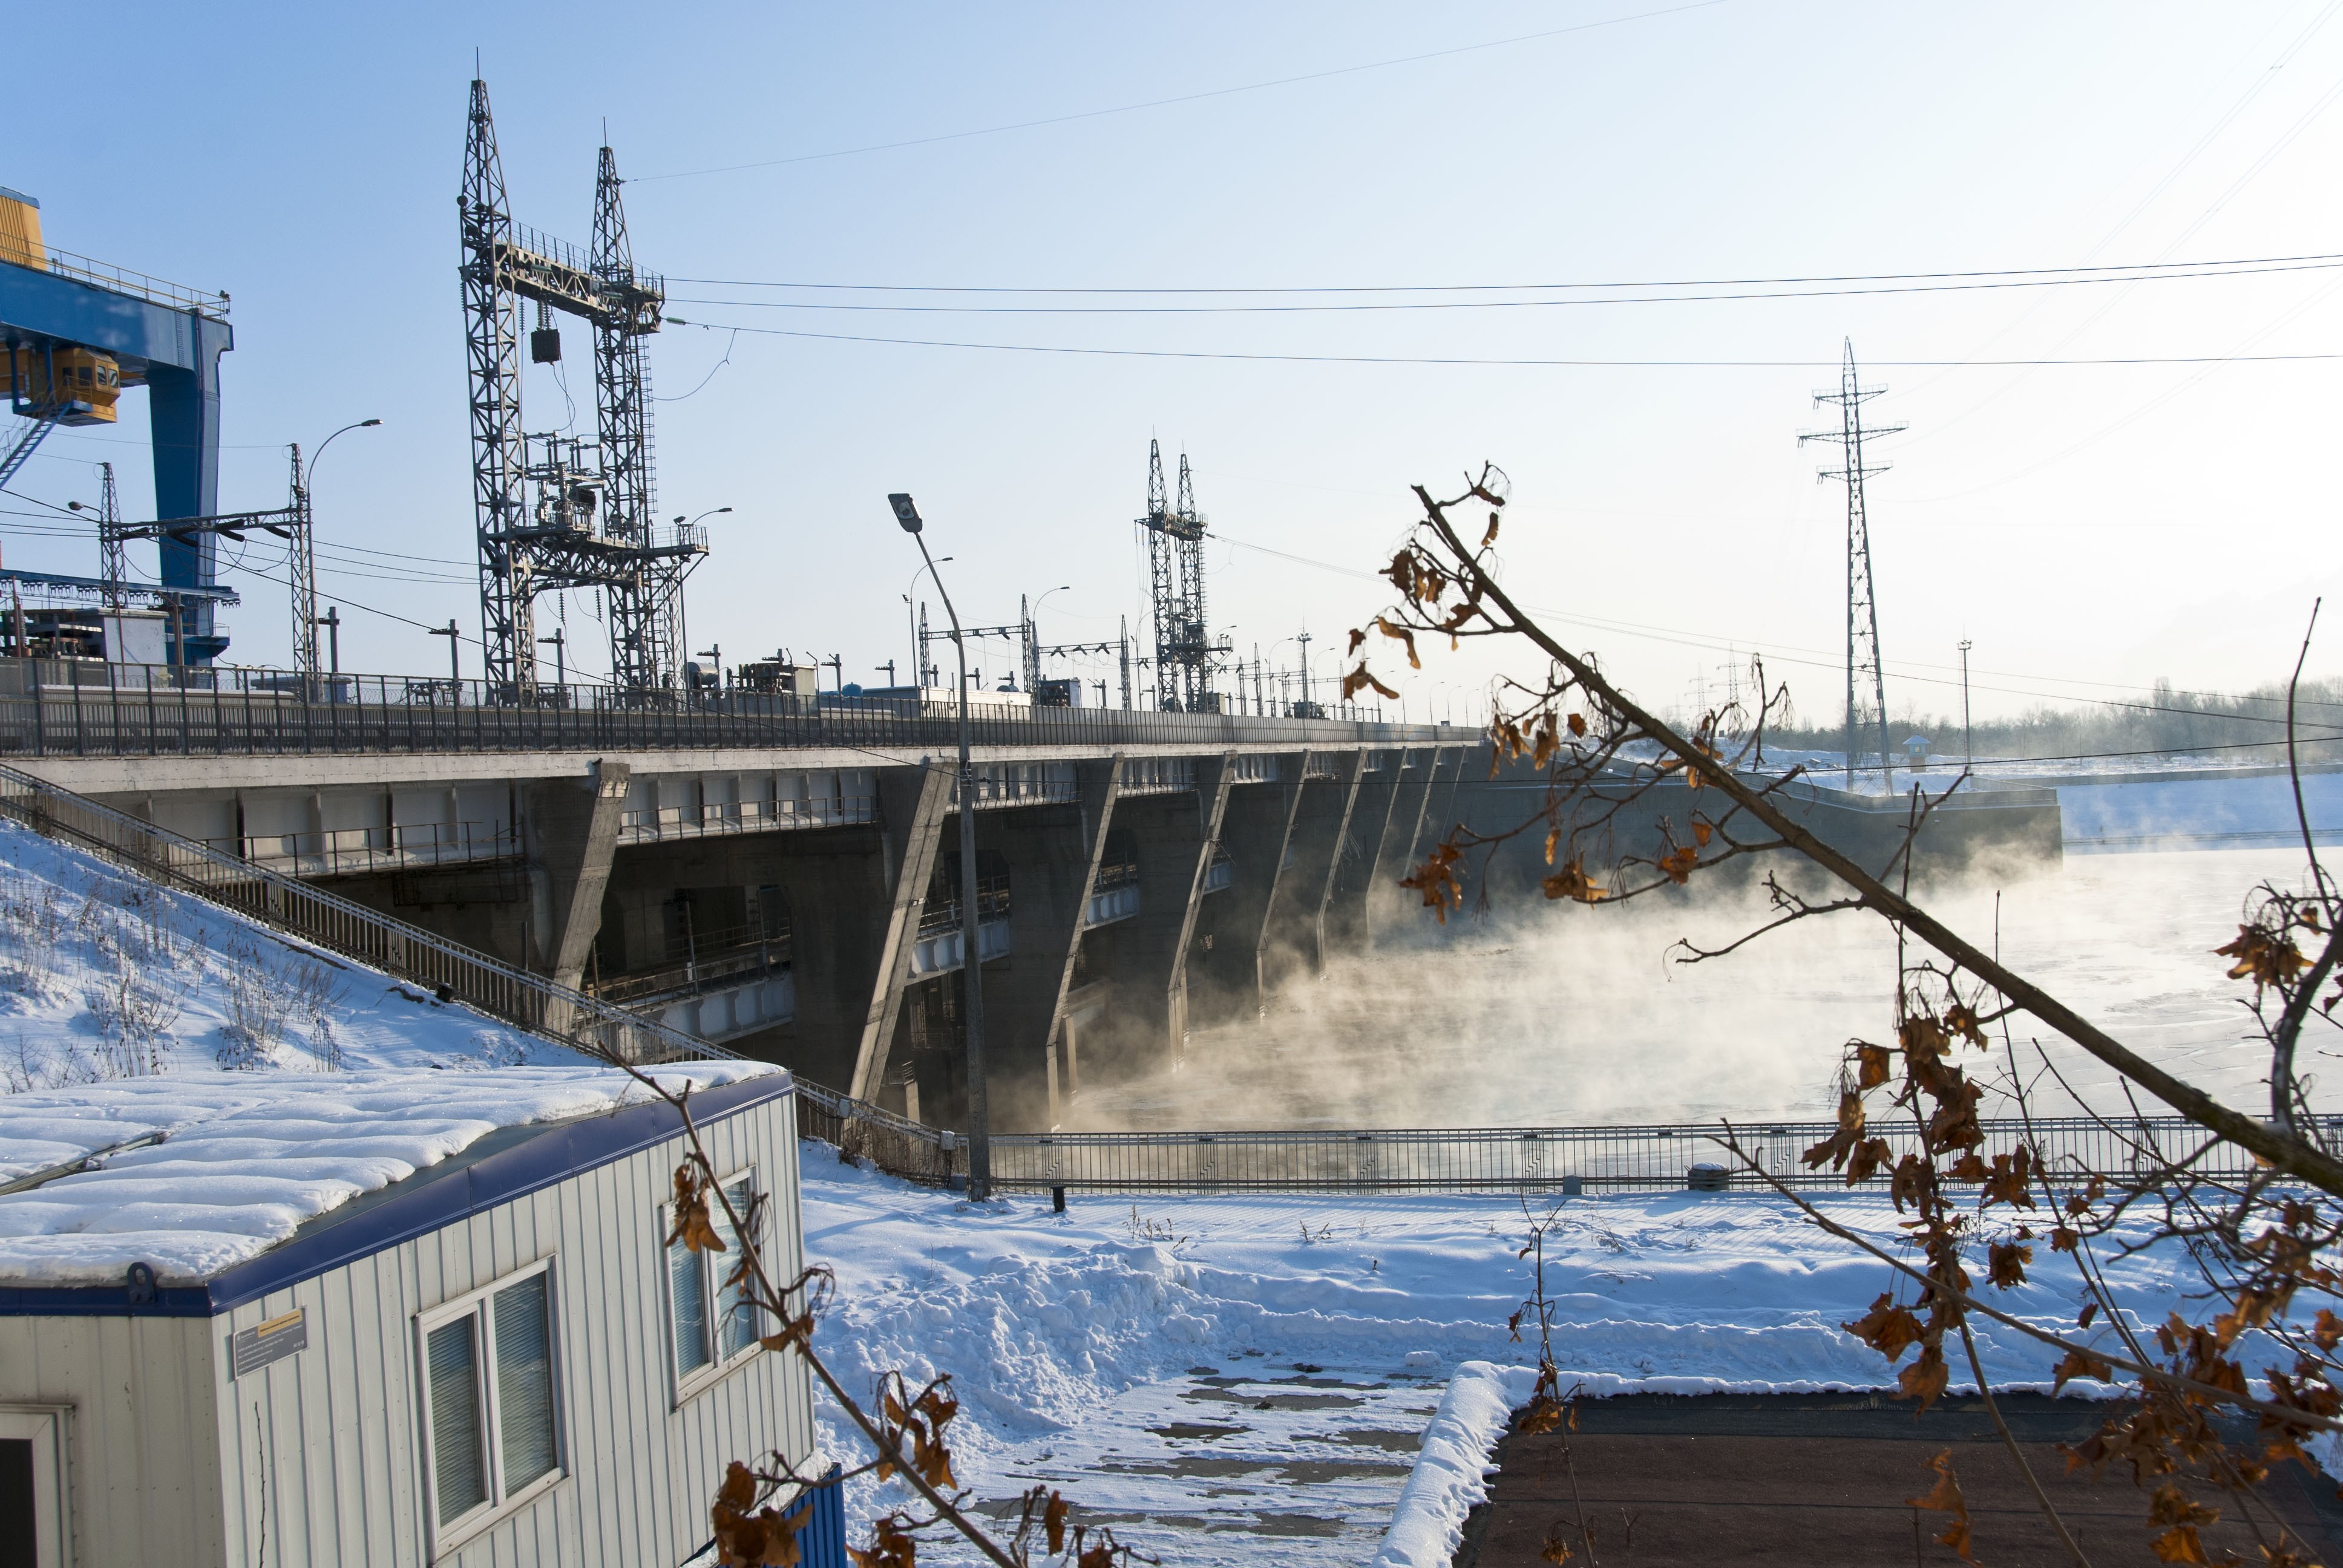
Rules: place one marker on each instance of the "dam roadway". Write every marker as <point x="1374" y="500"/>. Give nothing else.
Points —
<point x="774" y="873"/>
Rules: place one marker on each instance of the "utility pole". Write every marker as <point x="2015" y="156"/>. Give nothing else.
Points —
<point x="560" y="641"/>
<point x="454" y="672"/>
<point x="332" y="622"/>
<point x="1122" y="642"/>
<point x="1866" y="682"/>
<point x="1969" y="736"/>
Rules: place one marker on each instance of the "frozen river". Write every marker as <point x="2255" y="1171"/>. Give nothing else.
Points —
<point x="1565" y="1016"/>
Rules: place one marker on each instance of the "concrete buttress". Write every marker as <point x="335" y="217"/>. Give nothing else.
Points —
<point x="1054" y="852"/>
<point x="919" y="800"/>
<point x="1355" y="774"/>
<point x="1257" y="827"/>
<point x="573" y="828"/>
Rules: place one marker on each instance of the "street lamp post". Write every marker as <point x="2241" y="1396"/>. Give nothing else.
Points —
<point x="1032" y="632"/>
<point x="681" y="526"/>
<point x="332" y="620"/>
<point x="971" y="969"/>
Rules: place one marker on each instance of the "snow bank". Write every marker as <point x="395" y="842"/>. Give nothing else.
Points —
<point x="1447" y="1480"/>
<point x="105" y="976"/>
<point x="1249" y="1377"/>
<point x="250" y="1157"/>
<point x="288" y="1080"/>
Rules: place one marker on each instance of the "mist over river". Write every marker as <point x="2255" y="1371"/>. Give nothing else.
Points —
<point x="1548" y="1015"/>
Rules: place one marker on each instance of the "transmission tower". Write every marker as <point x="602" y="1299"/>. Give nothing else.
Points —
<point x="114" y="561"/>
<point x="1175" y="558"/>
<point x="647" y="613"/>
<point x="590" y="523"/>
<point x="301" y="574"/>
<point x="1866" y="683"/>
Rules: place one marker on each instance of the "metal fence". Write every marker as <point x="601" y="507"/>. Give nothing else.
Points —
<point x="1542" y="1158"/>
<point x="450" y="971"/>
<point x="69" y="708"/>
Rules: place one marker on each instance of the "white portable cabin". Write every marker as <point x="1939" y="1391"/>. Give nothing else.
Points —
<point x="385" y="1318"/>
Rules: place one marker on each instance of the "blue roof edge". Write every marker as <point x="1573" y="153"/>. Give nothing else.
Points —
<point x="562" y="1151"/>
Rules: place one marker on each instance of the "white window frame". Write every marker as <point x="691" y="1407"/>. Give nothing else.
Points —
<point x="44" y="1426"/>
<point x="474" y="1304"/>
<point x="713" y="1267"/>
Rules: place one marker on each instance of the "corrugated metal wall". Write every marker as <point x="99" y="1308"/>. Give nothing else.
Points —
<point x="172" y="1457"/>
<point x="336" y="1433"/>
<point x="142" y="1457"/>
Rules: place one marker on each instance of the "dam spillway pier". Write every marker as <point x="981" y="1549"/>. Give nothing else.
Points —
<point x="774" y="873"/>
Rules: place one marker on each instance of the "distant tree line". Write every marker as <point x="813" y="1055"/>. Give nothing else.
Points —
<point x="2251" y="726"/>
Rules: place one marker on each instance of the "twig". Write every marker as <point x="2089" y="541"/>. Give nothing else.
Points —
<point x="2009" y="1441"/>
<point x="2281" y="1149"/>
<point x="2143" y="1369"/>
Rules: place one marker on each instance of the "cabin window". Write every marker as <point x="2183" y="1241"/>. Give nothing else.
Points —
<point x="714" y="1325"/>
<point x="492" y="1419"/>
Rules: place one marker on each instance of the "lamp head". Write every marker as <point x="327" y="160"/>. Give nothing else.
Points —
<point x="368" y="424"/>
<point x="905" y="512"/>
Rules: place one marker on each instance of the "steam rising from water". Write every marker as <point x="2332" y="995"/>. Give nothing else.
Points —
<point x="1555" y="1016"/>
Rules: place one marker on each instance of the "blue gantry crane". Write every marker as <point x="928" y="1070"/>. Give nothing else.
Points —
<point x="74" y="332"/>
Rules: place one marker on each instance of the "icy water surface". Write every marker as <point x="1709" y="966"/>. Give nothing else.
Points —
<point x="1564" y="1016"/>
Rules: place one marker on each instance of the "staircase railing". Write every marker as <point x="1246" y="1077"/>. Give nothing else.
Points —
<point x="450" y="970"/>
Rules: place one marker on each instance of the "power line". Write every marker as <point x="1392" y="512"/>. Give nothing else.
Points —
<point x="1500" y="364"/>
<point x="2052" y="273"/>
<point x="1988" y="281"/>
<point x="1811" y="657"/>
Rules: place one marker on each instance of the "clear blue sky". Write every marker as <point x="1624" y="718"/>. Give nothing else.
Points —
<point x="2106" y="524"/>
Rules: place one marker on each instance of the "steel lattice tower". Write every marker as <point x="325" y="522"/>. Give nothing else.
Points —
<point x="591" y="524"/>
<point x="301" y="574"/>
<point x="1866" y="682"/>
<point x="500" y="452"/>
<point x="114" y="561"/>
<point x="646" y="612"/>
<point x="1175" y="558"/>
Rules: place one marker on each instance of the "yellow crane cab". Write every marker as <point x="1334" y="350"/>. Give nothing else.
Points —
<point x="72" y="385"/>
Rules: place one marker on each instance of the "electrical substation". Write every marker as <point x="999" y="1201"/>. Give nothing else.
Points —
<point x="754" y="855"/>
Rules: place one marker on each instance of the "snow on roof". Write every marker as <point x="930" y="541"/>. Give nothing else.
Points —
<point x="252" y="1156"/>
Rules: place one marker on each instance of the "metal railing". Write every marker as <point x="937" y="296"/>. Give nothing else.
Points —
<point x="69" y="708"/>
<point x="943" y="914"/>
<point x="1542" y="1158"/>
<point x="705" y="958"/>
<point x="451" y="972"/>
<point x="644" y="824"/>
<point x="347" y="851"/>
<point x="122" y="281"/>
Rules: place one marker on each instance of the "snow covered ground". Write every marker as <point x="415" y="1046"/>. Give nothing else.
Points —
<point x="288" y="1080"/>
<point x="1239" y="1379"/>
<point x="104" y="976"/>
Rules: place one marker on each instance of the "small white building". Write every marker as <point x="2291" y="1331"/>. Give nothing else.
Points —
<point x="383" y="1318"/>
